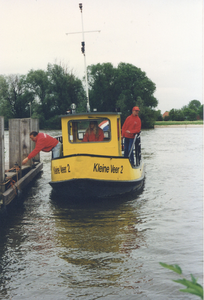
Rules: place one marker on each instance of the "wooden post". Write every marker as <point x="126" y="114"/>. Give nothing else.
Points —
<point x="24" y="142"/>
<point x="14" y="142"/>
<point x="19" y="140"/>
<point x="2" y="158"/>
<point x="34" y="126"/>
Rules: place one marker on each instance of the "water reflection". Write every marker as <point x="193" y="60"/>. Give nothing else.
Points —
<point x="97" y="236"/>
<point x="94" y="226"/>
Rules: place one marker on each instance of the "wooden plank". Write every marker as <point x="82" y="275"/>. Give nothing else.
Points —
<point x="2" y="159"/>
<point x="14" y="142"/>
<point x="34" y="125"/>
<point x="20" y="144"/>
<point x="10" y="194"/>
<point x="24" y="140"/>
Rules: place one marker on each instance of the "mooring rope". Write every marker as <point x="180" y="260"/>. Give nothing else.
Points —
<point x="10" y="180"/>
<point x="12" y="183"/>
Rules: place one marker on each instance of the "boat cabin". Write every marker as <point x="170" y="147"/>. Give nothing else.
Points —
<point x="76" y="126"/>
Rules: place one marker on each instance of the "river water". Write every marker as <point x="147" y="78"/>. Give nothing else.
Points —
<point x="52" y="248"/>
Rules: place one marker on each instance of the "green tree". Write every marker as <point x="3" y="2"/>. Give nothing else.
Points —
<point x="176" y="115"/>
<point x="190" y="114"/>
<point x="200" y="112"/>
<point x="194" y="104"/>
<point x="193" y="110"/>
<point x="124" y="87"/>
<point x="102" y="86"/>
<point x="5" y="109"/>
<point x="38" y="82"/>
<point x="16" y="97"/>
<point x="3" y="87"/>
<point x="158" y="115"/>
<point x="137" y="89"/>
<point x="64" y="89"/>
<point x="54" y="90"/>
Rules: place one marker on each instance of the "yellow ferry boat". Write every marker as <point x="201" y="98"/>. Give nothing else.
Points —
<point x="89" y="168"/>
<point x="95" y="168"/>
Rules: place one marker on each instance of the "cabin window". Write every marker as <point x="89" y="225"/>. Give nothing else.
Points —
<point x="91" y="130"/>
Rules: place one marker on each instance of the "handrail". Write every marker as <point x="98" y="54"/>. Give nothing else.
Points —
<point x="134" y="145"/>
<point x="59" y="138"/>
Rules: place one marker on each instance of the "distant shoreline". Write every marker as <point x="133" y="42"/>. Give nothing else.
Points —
<point x="180" y="126"/>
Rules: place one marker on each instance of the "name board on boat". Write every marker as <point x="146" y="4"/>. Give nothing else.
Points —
<point x="107" y="169"/>
<point x="62" y="169"/>
<point x="101" y="168"/>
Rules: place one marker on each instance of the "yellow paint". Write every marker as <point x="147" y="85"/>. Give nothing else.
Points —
<point x="101" y="168"/>
<point x="112" y="147"/>
<point x="80" y="158"/>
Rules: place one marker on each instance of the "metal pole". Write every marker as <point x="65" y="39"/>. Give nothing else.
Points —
<point x="90" y="31"/>
<point x="83" y="52"/>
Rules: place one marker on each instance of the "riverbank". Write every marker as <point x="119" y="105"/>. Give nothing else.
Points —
<point x="179" y="126"/>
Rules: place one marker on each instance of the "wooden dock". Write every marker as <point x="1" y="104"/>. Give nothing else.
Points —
<point x="14" y="186"/>
<point x="14" y="176"/>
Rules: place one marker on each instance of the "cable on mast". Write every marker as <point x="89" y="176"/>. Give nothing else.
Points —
<point x="83" y="52"/>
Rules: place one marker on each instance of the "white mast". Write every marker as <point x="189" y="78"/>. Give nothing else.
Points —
<point x="83" y="52"/>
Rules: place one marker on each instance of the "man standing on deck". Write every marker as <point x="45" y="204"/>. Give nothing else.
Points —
<point x="44" y="142"/>
<point x="130" y="128"/>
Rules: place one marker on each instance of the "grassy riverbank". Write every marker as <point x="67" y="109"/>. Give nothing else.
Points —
<point x="166" y="123"/>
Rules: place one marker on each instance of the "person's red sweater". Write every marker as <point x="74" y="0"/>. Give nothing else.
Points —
<point x="44" y="142"/>
<point x="133" y="124"/>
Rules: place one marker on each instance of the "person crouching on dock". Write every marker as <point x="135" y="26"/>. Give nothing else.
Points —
<point x="43" y="142"/>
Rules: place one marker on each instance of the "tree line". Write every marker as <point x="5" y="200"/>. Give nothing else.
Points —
<point x="191" y="112"/>
<point x="40" y="94"/>
<point x="47" y="94"/>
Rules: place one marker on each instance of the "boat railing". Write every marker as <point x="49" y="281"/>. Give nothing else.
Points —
<point x="136" y="149"/>
<point x="59" y="138"/>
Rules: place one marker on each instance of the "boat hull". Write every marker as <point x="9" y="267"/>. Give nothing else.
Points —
<point x="90" y="188"/>
<point x="95" y="176"/>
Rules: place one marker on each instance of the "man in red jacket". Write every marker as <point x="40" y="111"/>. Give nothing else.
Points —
<point x="131" y="127"/>
<point x="44" y="142"/>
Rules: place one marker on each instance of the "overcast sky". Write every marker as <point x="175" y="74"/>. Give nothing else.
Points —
<point x="162" y="37"/>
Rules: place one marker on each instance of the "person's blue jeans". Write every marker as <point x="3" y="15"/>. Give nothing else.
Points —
<point x="127" y="147"/>
<point x="56" y="150"/>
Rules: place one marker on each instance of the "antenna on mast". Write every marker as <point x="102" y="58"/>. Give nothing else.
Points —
<point x="83" y="52"/>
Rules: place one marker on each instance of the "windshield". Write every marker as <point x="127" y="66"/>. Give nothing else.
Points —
<point x="94" y="130"/>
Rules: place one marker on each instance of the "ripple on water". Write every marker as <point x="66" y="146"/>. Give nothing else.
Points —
<point x="52" y="248"/>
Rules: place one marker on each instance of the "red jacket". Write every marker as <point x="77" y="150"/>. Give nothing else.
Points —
<point x="92" y="138"/>
<point x="133" y="124"/>
<point x="44" y="142"/>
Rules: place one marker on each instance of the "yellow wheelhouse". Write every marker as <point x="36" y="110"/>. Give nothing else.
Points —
<point x="94" y="168"/>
